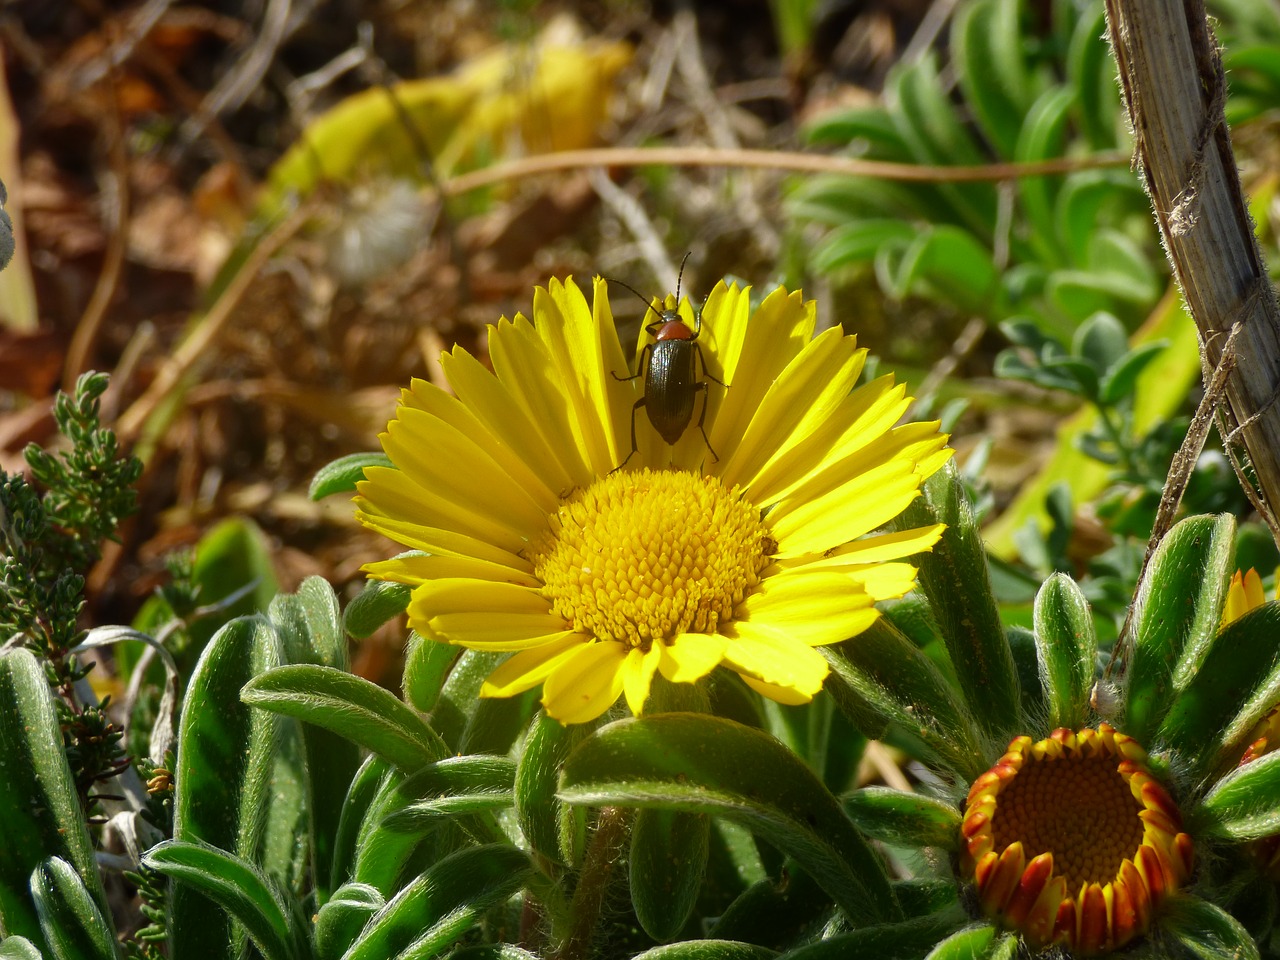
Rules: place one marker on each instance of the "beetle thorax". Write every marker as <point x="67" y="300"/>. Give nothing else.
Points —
<point x="673" y="330"/>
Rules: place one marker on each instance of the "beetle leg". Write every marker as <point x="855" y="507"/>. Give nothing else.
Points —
<point x="707" y="373"/>
<point x="643" y="365"/>
<point x="635" y="408"/>
<point x="702" y="419"/>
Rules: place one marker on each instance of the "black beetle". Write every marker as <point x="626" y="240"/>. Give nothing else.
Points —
<point x="669" y="366"/>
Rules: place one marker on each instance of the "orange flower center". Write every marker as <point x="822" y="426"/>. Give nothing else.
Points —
<point x="1081" y="811"/>
<point x="1073" y="842"/>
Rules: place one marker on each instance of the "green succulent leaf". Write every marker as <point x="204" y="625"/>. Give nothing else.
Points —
<point x="342" y="475"/>
<point x="1237" y="683"/>
<point x="340" y="920"/>
<point x="452" y="787"/>
<point x="223" y="781"/>
<point x="880" y="679"/>
<point x="904" y="819"/>
<point x="1042" y="137"/>
<point x="1178" y="611"/>
<point x="442" y="904"/>
<point x="369" y="782"/>
<point x="704" y="764"/>
<point x="1244" y="805"/>
<point x="426" y="667"/>
<point x="1206" y="930"/>
<point x="955" y="578"/>
<point x="538" y="808"/>
<point x="1102" y="341"/>
<point x="1067" y="647"/>
<point x="858" y="241"/>
<point x="708" y="950"/>
<point x="73" y="926"/>
<point x="40" y="815"/>
<point x="974" y="942"/>
<point x="378" y="602"/>
<point x="987" y="51"/>
<point x="19" y="948"/>
<point x="352" y="707"/>
<point x="668" y="860"/>
<point x="906" y="940"/>
<point x="309" y="625"/>
<point x="1122" y="379"/>
<point x="240" y="889"/>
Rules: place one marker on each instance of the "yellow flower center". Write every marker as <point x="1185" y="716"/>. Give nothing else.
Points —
<point x="1081" y="810"/>
<point x="649" y="555"/>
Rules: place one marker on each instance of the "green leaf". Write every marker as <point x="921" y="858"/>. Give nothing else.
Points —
<point x="40" y="815"/>
<point x="340" y="920"/>
<point x="1101" y="340"/>
<point x="222" y="784"/>
<point x="539" y="810"/>
<point x="971" y="943"/>
<point x="949" y="262"/>
<point x="880" y="678"/>
<point x="1206" y="931"/>
<point x="1122" y="379"/>
<point x="454" y="786"/>
<point x="1087" y="201"/>
<point x="904" y="819"/>
<point x="18" y="948"/>
<point x="774" y="912"/>
<point x="986" y="51"/>
<point x="368" y="783"/>
<point x="708" y="950"/>
<point x="930" y="125"/>
<point x="871" y="126"/>
<point x="438" y="908"/>
<point x="352" y="707"/>
<point x="1124" y="266"/>
<point x="705" y="764"/>
<point x="1236" y="685"/>
<point x="906" y="940"/>
<point x="858" y="242"/>
<point x="1042" y="137"/>
<point x="378" y="602"/>
<point x="240" y="889"/>
<point x="342" y="475"/>
<point x="309" y="625"/>
<point x="492" y="951"/>
<point x="955" y="579"/>
<point x="426" y="667"/>
<point x="73" y="926"/>
<point x="1244" y="805"/>
<point x="1092" y="74"/>
<point x="1067" y="649"/>
<point x="1179" y="608"/>
<point x="668" y="860"/>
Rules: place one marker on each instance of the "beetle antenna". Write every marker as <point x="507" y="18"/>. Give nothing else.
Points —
<point x="680" y="276"/>
<point x="647" y="304"/>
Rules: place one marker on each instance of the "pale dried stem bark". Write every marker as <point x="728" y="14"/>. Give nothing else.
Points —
<point x="1173" y="82"/>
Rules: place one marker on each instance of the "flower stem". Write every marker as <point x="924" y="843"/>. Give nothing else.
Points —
<point x="612" y="827"/>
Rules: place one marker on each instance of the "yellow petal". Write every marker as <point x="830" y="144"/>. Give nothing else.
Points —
<point x="784" y="695"/>
<point x="878" y="548"/>
<point x="440" y="458"/>
<point x="637" y="675"/>
<point x="394" y="505"/>
<point x="418" y="568"/>
<point x="866" y="502"/>
<point x="586" y="683"/>
<point x="527" y="669"/>
<point x="764" y="653"/>
<point x="691" y="656"/>
<point x="809" y="608"/>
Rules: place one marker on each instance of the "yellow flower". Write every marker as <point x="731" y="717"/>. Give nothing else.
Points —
<point x="1244" y="593"/>
<point x="1072" y="841"/>
<point x="596" y="578"/>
